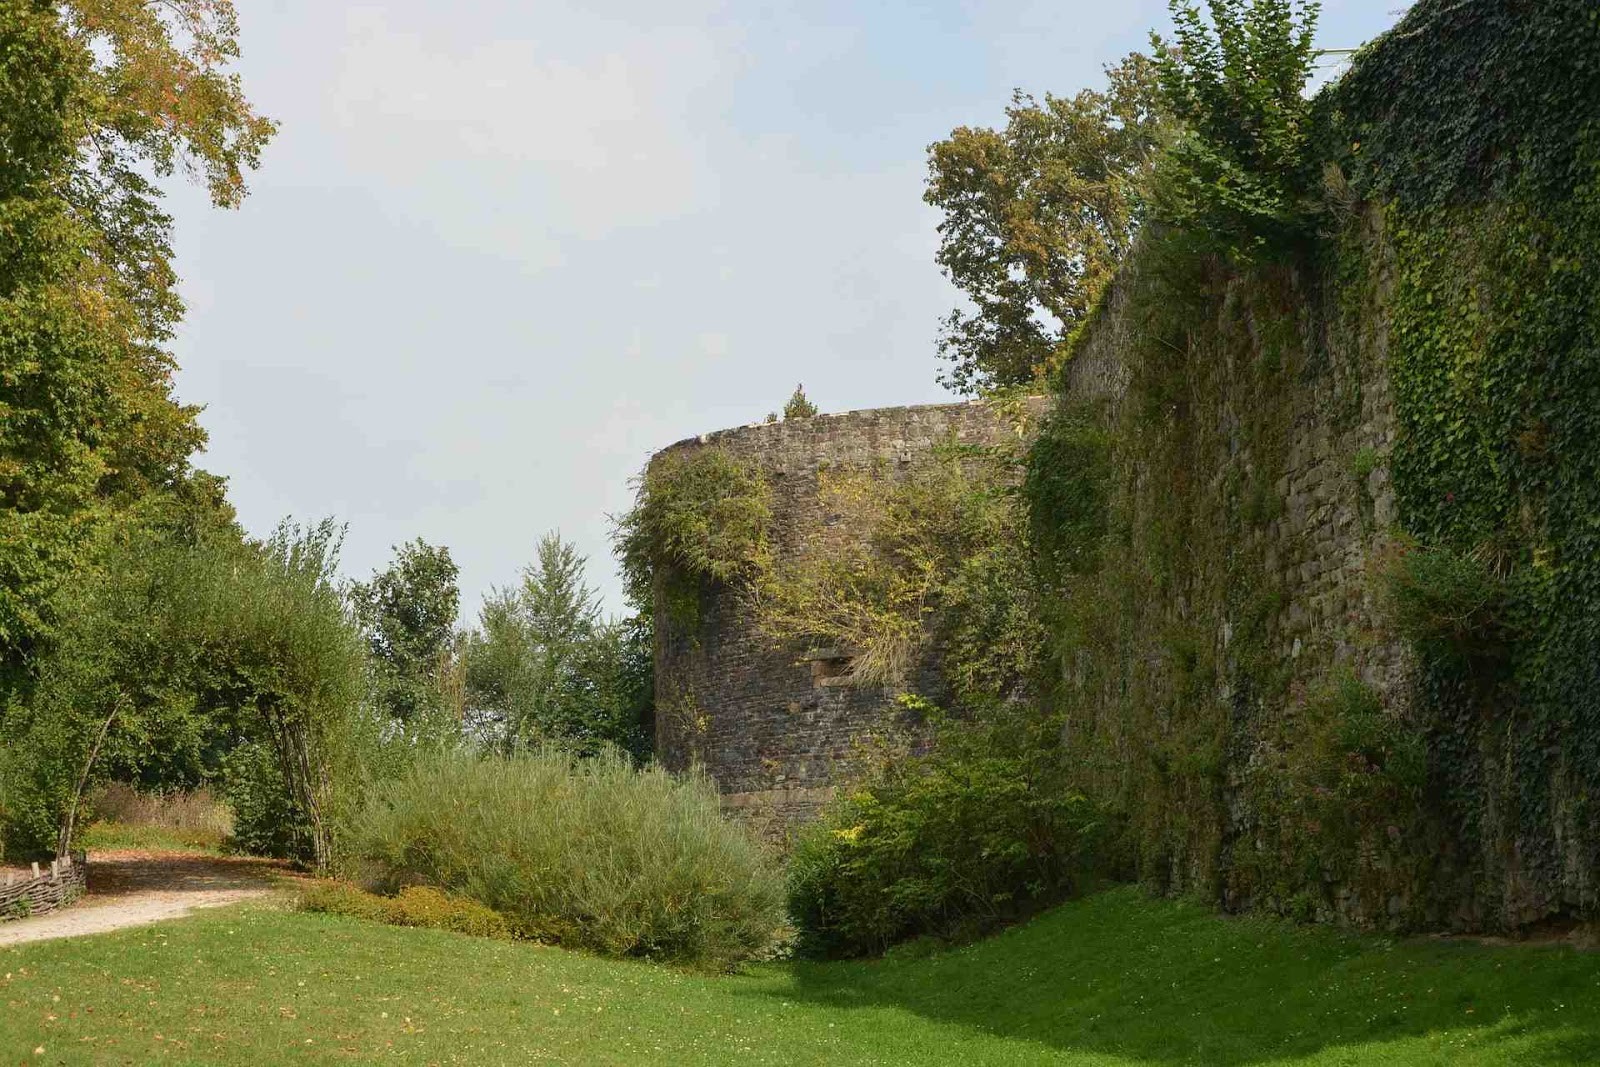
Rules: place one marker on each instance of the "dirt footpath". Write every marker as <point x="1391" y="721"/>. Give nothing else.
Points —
<point x="135" y="888"/>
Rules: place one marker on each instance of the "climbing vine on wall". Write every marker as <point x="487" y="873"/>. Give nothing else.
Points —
<point x="938" y="556"/>
<point x="700" y="516"/>
<point x="1487" y="155"/>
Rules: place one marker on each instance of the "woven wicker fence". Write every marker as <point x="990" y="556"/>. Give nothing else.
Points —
<point x="45" y="889"/>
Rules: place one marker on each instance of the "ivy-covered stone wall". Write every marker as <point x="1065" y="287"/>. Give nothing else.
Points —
<point x="1349" y="591"/>
<point x="1249" y="505"/>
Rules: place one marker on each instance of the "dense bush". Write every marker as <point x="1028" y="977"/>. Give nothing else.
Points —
<point x="979" y="831"/>
<point x="421" y="906"/>
<point x="592" y="853"/>
<point x="266" y="820"/>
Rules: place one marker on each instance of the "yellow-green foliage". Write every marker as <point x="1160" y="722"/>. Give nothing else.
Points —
<point x="591" y="854"/>
<point x="700" y="516"/>
<point x="939" y="555"/>
<point x="416" y="905"/>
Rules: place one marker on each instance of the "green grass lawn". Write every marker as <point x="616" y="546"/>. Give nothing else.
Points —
<point x="1114" y="979"/>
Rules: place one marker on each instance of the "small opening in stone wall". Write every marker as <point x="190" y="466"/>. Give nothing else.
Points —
<point x="829" y="666"/>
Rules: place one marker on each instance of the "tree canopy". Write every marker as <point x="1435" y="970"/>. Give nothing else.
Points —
<point x="1037" y="216"/>
<point x="96" y="95"/>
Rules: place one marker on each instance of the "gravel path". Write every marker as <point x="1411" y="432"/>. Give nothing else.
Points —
<point x="135" y="888"/>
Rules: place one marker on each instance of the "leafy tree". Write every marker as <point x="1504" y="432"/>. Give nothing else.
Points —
<point x="1240" y="171"/>
<point x="798" y="406"/>
<point x="96" y="96"/>
<point x="544" y="667"/>
<point x="249" y="638"/>
<point x="1036" y="218"/>
<point x="408" y="613"/>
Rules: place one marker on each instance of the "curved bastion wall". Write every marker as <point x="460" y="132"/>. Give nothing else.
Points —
<point x="775" y="725"/>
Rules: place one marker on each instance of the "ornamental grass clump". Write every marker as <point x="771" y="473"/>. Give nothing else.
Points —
<point x="591" y="854"/>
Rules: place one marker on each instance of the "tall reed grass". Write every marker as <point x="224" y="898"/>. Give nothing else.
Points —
<point x="593" y="853"/>
<point x="127" y="818"/>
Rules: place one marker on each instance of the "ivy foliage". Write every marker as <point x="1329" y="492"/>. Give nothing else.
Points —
<point x="1455" y="256"/>
<point x="1476" y="125"/>
<point x="1463" y="101"/>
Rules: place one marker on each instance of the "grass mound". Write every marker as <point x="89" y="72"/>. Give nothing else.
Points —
<point x="1116" y="979"/>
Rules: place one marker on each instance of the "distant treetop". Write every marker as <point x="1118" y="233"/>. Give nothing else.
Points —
<point x="798" y="406"/>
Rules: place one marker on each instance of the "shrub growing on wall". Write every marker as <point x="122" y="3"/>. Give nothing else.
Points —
<point x="939" y="556"/>
<point x="1238" y="174"/>
<point x="700" y="516"/>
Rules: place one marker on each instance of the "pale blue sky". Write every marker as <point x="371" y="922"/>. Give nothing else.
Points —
<point x="502" y="250"/>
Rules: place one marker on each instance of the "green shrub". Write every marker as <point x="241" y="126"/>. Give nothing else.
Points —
<point x="980" y="831"/>
<point x="420" y="906"/>
<point x="1237" y="177"/>
<point x="592" y="854"/>
<point x="1444" y="600"/>
<point x="266" y="820"/>
<point x="799" y="407"/>
<point x="342" y="898"/>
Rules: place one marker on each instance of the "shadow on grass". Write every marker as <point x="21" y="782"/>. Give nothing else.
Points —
<point x="1166" y="982"/>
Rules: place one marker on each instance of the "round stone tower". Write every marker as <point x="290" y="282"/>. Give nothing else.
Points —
<point x="776" y="725"/>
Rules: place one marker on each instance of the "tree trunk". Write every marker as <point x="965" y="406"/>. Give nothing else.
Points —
<point x="64" y="838"/>
<point x="290" y="738"/>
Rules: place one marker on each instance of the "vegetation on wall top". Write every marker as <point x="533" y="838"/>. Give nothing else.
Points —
<point x="700" y="516"/>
